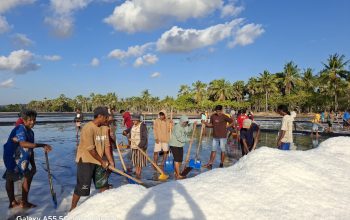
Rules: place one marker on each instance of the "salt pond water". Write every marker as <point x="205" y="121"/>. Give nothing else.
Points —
<point x="62" y="137"/>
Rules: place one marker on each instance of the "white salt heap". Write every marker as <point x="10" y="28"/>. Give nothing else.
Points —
<point x="266" y="184"/>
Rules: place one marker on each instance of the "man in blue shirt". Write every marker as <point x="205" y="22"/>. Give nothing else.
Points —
<point x="346" y="119"/>
<point x="247" y="139"/>
<point x="18" y="153"/>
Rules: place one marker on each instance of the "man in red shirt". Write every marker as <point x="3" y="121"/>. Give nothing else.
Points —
<point x="241" y="118"/>
<point x="126" y="119"/>
<point x="19" y="120"/>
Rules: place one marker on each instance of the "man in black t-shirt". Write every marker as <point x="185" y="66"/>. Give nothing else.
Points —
<point x="247" y="139"/>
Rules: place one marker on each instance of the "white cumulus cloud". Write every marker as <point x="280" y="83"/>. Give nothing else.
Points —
<point x="4" y="25"/>
<point x="6" y="5"/>
<point x="7" y="83"/>
<point x="21" y="40"/>
<point x="231" y="10"/>
<point x="146" y="60"/>
<point x="19" y="61"/>
<point x="186" y="40"/>
<point x="133" y="51"/>
<point x="62" y="20"/>
<point x="95" y="62"/>
<point x="247" y="34"/>
<point x="155" y="75"/>
<point x="144" y="15"/>
<point x="52" y="57"/>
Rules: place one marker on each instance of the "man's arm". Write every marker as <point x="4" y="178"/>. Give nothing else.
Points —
<point x="109" y="155"/>
<point x="97" y="157"/>
<point x="256" y="138"/>
<point x="245" y="146"/>
<point x="155" y="131"/>
<point x="26" y="144"/>
<point x="281" y="135"/>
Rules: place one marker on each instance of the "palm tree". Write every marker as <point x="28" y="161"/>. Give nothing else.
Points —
<point x="334" y="73"/>
<point x="220" y="89"/>
<point x="238" y="90"/>
<point x="267" y="82"/>
<point x="254" y="91"/>
<point x="290" y="77"/>
<point x="184" y="90"/>
<point x="146" y="96"/>
<point x="199" y="90"/>
<point x="309" y="81"/>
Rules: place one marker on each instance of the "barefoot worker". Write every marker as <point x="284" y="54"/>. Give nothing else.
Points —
<point x="177" y="141"/>
<point x="247" y="139"/>
<point x="78" y="120"/>
<point x="161" y="131"/>
<point x="139" y="138"/>
<point x="18" y="153"/>
<point x="218" y="121"/>
<point x="285" y="137"/>
<point x="91" y="149"/>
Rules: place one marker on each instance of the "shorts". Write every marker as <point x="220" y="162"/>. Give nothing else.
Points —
<point x="230" y="129"/>
<point x="161" y="146"/>
<point x="314" y="127"/>
<point x="330" y="124"/>
<point x="221" y="142"/>
<point x="15" y="176"/>
<point x="178" y="153"/>
<point x="284" y="146"/>
<point x="78" y="124"/>
<point x="100" y="177"/>
<point x="85" y="173"/>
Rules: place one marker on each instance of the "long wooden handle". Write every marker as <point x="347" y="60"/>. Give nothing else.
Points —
<point x="124" y="174"/>
<point x="120" y="155"/>
<point x="200" y="141"/>
<point x="190" y="146"/>
<point x="151" y="161"/>
<point x="171" y="119"/>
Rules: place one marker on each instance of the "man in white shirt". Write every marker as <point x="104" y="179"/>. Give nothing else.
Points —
<point x="285" y="137"/>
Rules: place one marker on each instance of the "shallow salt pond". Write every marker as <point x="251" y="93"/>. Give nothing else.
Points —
<point x="62" y="163"/>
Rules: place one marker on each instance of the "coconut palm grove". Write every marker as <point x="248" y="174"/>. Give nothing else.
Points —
<point x="307" y="90"/>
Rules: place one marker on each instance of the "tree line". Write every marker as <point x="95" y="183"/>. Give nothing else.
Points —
<point x="304" y="90"/>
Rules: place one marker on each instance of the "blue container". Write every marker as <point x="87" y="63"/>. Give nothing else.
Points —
<point x="169" y="165"/>
<point x="195" y="164"/>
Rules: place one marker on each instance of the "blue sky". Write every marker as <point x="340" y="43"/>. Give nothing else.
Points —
<point x="81" y="46"/>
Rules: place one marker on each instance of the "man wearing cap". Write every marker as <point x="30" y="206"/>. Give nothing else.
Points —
<point x="91" y="148"/>
<point x="247" y="139"/>
<point x="219" y="122"/>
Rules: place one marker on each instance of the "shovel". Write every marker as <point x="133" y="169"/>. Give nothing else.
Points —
<point x="186" y="169"/>
<point x="124" y="174"/>
<point x="162" y="175"/>
<point x="123" y="164"/>
<point x="196" y="163"/>
<point x="169" y="163"/>
<point x="52" y="191"/>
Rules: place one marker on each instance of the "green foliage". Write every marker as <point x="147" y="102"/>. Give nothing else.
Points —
<point x="328" y="89"/>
